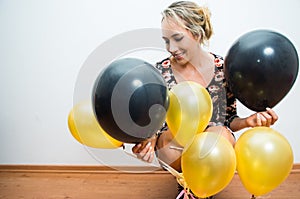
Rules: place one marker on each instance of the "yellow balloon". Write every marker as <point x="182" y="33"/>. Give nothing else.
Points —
<point x="189" y="112"/>
<point x="208" y="164"/>
<point x="264" y="159"/>
<point x="85" y="128"/>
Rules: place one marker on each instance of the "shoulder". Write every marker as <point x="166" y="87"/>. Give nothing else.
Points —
<point x="219" y="61"/>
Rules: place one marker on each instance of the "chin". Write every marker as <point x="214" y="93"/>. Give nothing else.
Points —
<point x="182" y="61"/>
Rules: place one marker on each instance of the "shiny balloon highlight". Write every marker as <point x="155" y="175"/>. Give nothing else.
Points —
<point x="261" y="67"/>
<point x="208" y="164"/>
<point x="85" y="128"/>
<point x="264" y="159"/>
<point x="130" y="100"/>
<point x="189" y="112"/>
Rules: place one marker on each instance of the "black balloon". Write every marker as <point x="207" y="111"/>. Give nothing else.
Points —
<point x="261" y="68"/>
<point x="130" y="100"/>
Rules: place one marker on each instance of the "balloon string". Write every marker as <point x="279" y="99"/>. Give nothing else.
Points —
<point x="179" y="177"/>
<point x="164" y="165"/>
<point x="186" y="194"/>
<point x="180" y="194"/>
<point x="176" y="148"/>
<point x="175" y="173"/>
<point x="132" y="155"/>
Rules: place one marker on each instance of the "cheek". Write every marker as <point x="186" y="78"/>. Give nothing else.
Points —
<point x="193" y="46"/>
<point x="184" y="45"/>
<point x="189" y="43"/>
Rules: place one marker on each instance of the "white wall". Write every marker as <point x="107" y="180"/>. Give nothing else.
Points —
<point x="43" y="45"/>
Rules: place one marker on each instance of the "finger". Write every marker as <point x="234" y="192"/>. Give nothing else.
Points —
<point x="273" y="115"/>
<point x="143" y="152"/>
<point x="136" y="148"/>
<point x="262" y="119"/>
<point x="151" y="158"/>
<point x="151" y="155"/>
<point x="267" y="117"/>
<point x="147" y="155"/>
<point x="258" y="120"/>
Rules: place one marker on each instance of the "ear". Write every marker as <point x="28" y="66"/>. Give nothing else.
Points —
<point x="198" y="37"/>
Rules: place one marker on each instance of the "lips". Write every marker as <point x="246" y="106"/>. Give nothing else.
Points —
<point x="178" y="56"/>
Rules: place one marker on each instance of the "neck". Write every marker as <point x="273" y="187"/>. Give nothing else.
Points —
<point x="200" y="68"/>
<point x="201" y="59"/>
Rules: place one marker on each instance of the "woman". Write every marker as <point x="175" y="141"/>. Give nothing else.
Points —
<point x="186" y="28"/>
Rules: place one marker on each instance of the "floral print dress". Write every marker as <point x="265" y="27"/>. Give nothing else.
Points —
<point x="224" y="103"/>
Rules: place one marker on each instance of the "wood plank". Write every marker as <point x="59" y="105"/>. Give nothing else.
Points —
<point x="289" y="189"/>
<point x="86" y="182"/>
<point x="64" y="181"/>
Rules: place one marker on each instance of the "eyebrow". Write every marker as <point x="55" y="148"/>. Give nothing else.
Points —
<point x="174" y="35"/>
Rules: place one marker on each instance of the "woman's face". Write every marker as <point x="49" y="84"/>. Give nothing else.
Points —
<point x="179" y="41"/>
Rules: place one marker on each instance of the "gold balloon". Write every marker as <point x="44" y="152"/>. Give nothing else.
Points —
<point x="85" y="128"/>
<point x="264" y="159"/>
<point x="189" y="111"/>
<point x="208" y="164"/>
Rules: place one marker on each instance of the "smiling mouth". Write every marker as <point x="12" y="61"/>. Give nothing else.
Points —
<point x="178" y="56"/>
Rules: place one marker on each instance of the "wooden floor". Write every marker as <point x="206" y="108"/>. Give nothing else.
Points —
<point x="88" y="182"/>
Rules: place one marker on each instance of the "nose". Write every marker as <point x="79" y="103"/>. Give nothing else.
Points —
<point x="172" y="47"/>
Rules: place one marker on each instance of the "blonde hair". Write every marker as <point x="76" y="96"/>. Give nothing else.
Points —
<point x="192" y="17"/>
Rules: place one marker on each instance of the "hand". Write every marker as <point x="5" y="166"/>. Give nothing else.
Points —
<point x="264" y="118"/>
<point x="145" y="149"/>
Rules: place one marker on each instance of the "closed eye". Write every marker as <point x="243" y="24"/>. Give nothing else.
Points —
<point x="167" y="41"/>
<point x="178" y="39"/>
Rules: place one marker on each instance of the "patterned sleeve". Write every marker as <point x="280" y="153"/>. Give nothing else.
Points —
<point x="161" y="69"/>
<point x="231" y="111"/>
